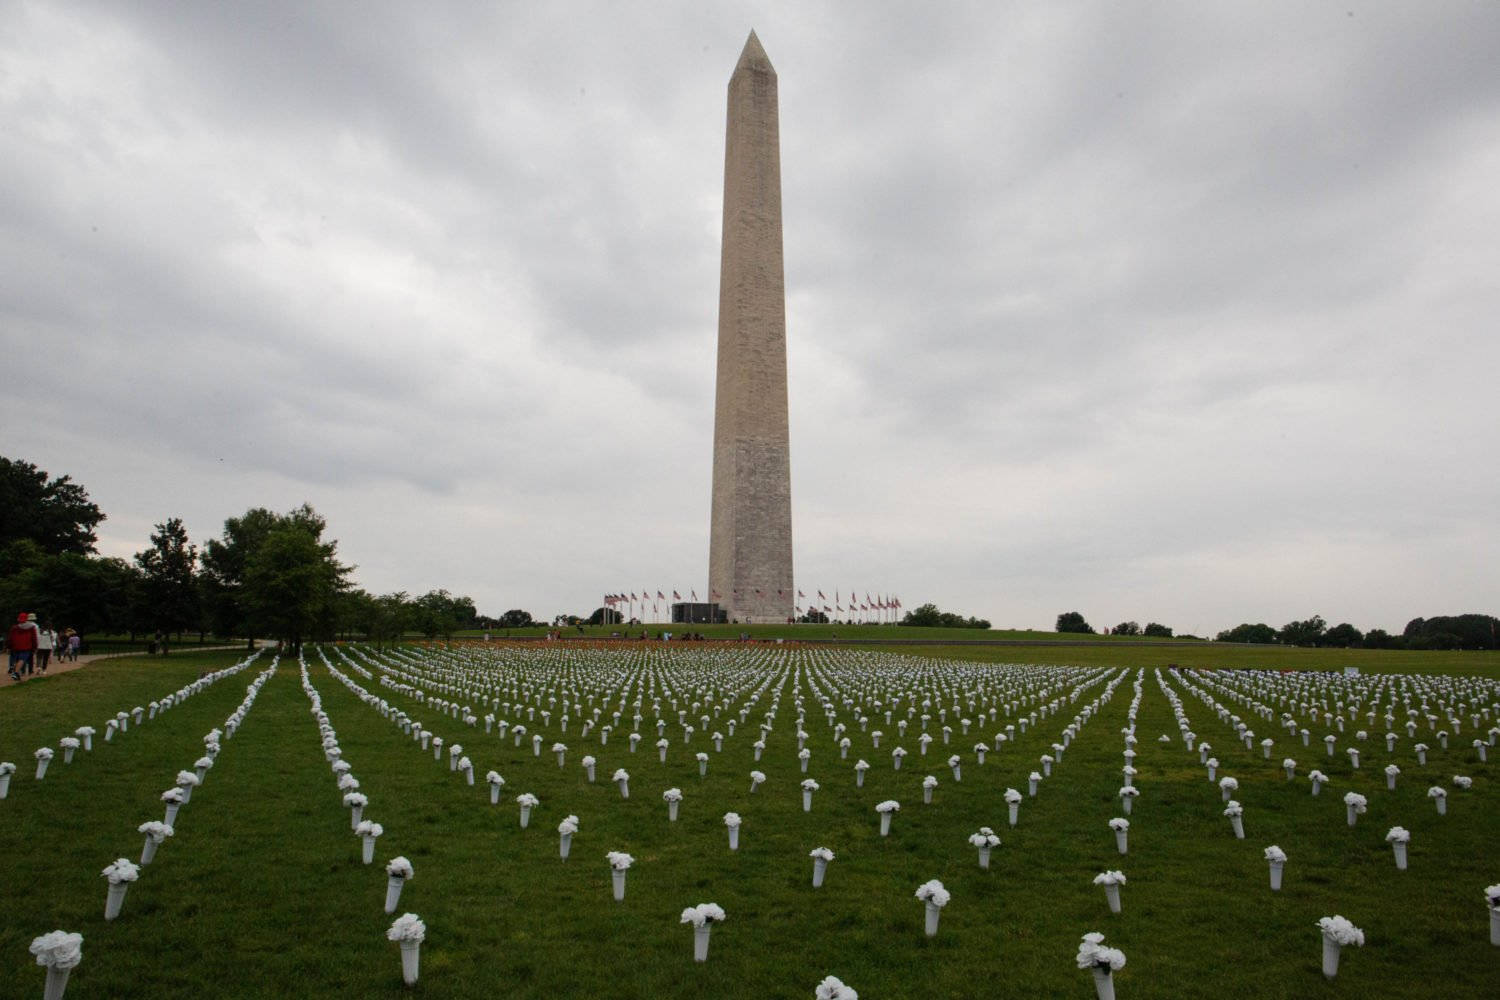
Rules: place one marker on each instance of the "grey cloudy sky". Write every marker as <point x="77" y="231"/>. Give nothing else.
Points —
<point x="1177" y="312"/>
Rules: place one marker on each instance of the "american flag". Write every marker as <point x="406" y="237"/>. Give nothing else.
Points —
<point x="676" y="596"/>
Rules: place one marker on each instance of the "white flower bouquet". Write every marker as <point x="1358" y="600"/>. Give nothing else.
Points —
<point x="732" y="823"/>
<point x="1338" y="933"/>
<point x="985" y="840"/>
<point x="1111" y="880"/>
<point x="860" y="767"/>
<point x="621" y="778"/>
<point x="885" y="809"/>
<point x="1127" y="795"/>
<point x="808" y="787"/>
<point x="821" y="856"/>
<point x="565" y="831"/>
<point x="1290" y="767"/>
<point x="1032" y="780"/>
<point x="367" y="833"/>
<point x="43" y="757"/>
<point x="85" y="733"/>
<point x="69" y="745"/>
<point x="803" y="756"/>
<point x="496" y="782"/>
<point x="1102" y="962"/>
<point x="1354" y="804"/>
<point x="397" y="871"/>
<point x="1462" y="781"/>
<point x="832" y="989"/>
<point x="955" y="765"/>
<point x="156" y="832"/>
<point x="619" y="863"/>
<point x="661" y="749"/>
<point x="172" y="797"/>
<point x="588" y="763"/>
<point x="1121" y="827"/>
<point x="467" y="767"/>
<point x="1317" y="778"/>
<point x="60" y="953"/>
<point x="1227" y="787"/>
<point x="561" y="750"/>
<point x="702" y="917"/>
<point x="409" y="932"/>
<point x="1236" y="814"/>
<point x="1439" y="796"/>
<point x="1277" y="859"/>
<point x="673" y="798"/>
<point x="120" y="873"/>
<point x="935" y="897"/>
<point x="896" y="757"/>
<point x="1398" y="837"/>
<point x="757" y="778"/>
<point x="527" y="802"/>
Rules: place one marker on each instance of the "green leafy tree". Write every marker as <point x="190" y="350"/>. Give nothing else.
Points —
<point x="56" y="514"/>
<point x="1073" y="621"/>
<point x="1342" y="636"/>
<point x="168" y="589"/>
<point x="928" y="616"/>
<point x="516" y="618"/>
<point x="1379" y="638"/>
<point x="1156" y="630"/>
<point x="1246" y="632"/>
<point x="606" y="616"/>
<point x="273" y="574"/>
<point x="1469" y="631"/>
<point x="814" y="618"/>
<point x="1303" y="633"/>
<point x="1126" y="628"/>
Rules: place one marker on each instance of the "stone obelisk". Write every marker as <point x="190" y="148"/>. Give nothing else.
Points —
<point x="750" y="545"/>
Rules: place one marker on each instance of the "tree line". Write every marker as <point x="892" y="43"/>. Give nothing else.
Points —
<point x="268" y="575"/>
<point x="1467" y="631"/>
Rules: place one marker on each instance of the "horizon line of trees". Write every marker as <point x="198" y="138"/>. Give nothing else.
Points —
<point x="1465" y="631"/>
<point x="268" y="575"/>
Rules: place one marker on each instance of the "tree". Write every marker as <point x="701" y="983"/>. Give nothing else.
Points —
<point x="928" y="616"/>
<point x="516" y="618"/>
<point x="1469" y="631"/>
<point x="438" y="612"/>
<point x="56" y="514"/>
<point x="1072" y="621"/>
<point x="814" y="617"/>
<point x="1379" y="638"/>
<point x="1342" y="636"/>
<point x="606" y="616"/>
<point x="925" y="616"/>
<point x="1305" y="633"/>
<point x="167" y="570"/>
<point x="273" y="573"/>
<point x="1158" y="631"/>
<point x="1124" y="628"/>
<point x="1245" y="632"/>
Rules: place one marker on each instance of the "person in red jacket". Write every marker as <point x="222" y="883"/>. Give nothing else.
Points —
<point x="21" y="640"/>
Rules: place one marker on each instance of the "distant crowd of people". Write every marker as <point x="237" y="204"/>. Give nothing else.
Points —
<point x="32" y="643"/>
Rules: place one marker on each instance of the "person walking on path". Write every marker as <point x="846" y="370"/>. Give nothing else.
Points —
<point x="74" y="641"/>
<point x="46" y="639"/>
<point x="21" y="641"/>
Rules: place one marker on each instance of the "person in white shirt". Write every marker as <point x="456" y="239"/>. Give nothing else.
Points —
<point x="46" y="639"/>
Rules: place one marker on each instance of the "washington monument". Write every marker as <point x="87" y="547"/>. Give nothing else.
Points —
<point x="750" y="544"/>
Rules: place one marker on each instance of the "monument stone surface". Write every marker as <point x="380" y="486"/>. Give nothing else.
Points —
<point x="750" y="543"/>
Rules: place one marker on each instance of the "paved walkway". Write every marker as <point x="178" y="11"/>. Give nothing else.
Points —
<point x="63" y="666"/>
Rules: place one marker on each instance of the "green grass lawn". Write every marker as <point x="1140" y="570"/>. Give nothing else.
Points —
<point x="261" y="892"/>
